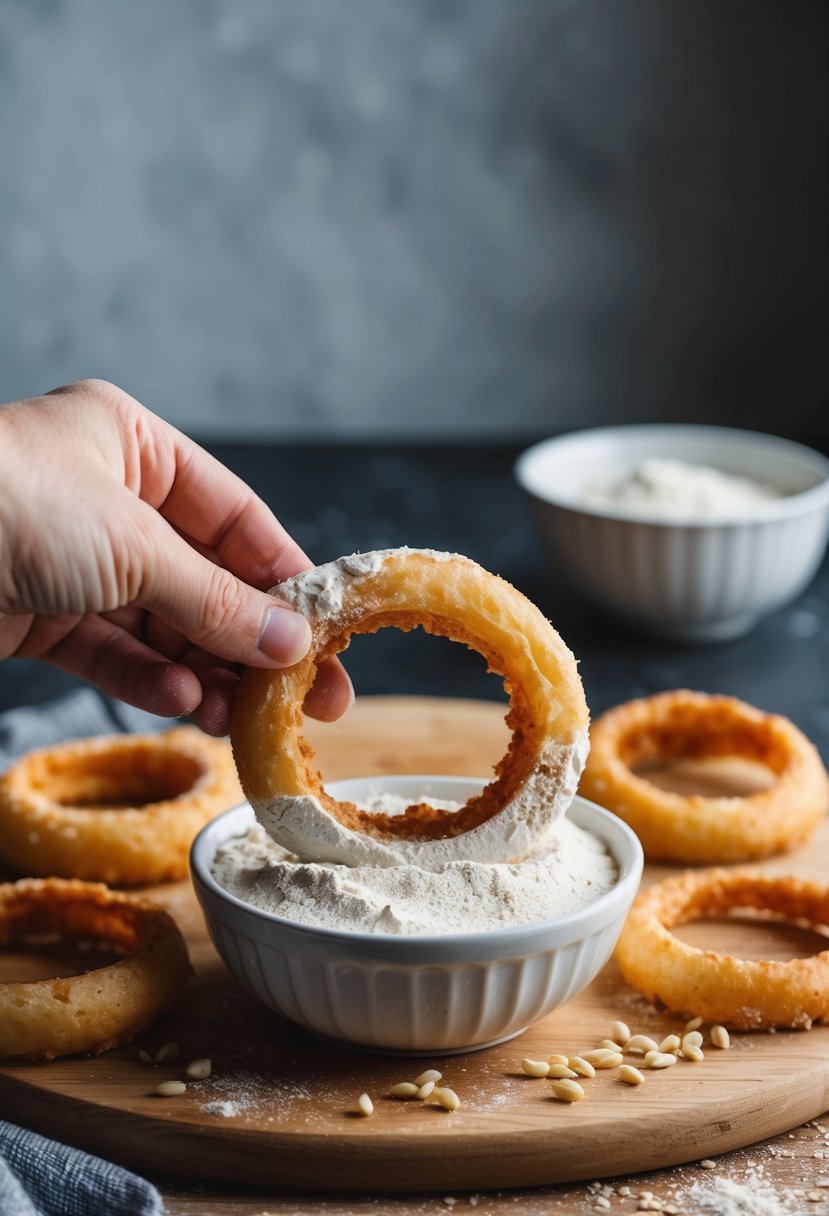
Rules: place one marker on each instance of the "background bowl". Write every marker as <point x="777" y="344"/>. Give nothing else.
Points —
<point x="694" y="581"/>
<point x="416" y="995"/>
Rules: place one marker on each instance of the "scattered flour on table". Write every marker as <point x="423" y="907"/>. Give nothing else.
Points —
<point x="228" y="1110"/>
<point x="725" y="1197"/>
<point x="457" y="897"/>
<point x="244" y="1093"/>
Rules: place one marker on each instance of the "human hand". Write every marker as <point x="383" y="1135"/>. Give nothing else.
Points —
<point x="132" y="558"/>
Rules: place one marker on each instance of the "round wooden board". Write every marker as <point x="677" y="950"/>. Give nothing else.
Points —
<point x="292" y="1098"/>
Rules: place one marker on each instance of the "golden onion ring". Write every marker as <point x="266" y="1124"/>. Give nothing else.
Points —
<point x="696" y="829"/>
<point x="745" y="994"/>
<point x="101" y="1008"/>
<point x="451" y="596"/>
<point x="117" y="808"/>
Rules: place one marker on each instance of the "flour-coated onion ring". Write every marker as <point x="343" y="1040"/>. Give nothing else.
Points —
<point x="747" y="994"/>
<point x="101" y="1008"/>
<point x="116" y="808"/>
<point x="447" y="595"/>
<point x="694" y="829"/>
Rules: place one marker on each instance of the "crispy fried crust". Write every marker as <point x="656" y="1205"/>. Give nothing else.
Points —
<point x="446" y="595"/>
<point x="694" y="829"/>
<point x="121" y="809"/>
<point x="746" y="994"/>
<point x="102" y="1008"/>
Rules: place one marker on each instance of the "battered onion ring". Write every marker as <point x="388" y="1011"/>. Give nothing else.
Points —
<point x="99" y="1009"/>
<point x="746" y="994"/>
<point x="448" y="595"/>
<point x="691" y="829"/>
<point x="118" y="808"/>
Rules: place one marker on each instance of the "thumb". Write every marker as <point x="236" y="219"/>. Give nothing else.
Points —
<point x="212" y="607"/>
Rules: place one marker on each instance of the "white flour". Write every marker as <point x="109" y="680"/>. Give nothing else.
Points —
<point x="227" y="1110"/>
<point x="671" y="489"/>
<point x="725" y="1197"/>
<point x="458" y="897"/>
<point x="320" y="592"/>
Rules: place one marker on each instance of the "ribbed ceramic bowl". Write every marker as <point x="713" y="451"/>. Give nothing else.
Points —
<point x="702" y="580"/>
<point x="416" y="995"/>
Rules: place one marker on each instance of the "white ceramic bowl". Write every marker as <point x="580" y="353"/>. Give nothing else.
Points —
<point x="416" y="995"/>
<point x="693" y="581"/>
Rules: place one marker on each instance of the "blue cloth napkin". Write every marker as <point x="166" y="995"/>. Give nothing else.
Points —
<point x="40" y="1177"/>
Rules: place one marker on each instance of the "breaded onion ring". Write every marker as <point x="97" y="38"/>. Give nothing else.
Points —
<point x="118" y="808"/>
<point x="690" y="829"/>
<point x="447" y="595"/>
<point x="746" y="994"/>
<point x="99" y="1009"/>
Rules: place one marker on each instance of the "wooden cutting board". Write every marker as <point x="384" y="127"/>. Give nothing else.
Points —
<point x="290" y="1098"/>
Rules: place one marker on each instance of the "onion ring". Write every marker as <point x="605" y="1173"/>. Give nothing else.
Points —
<point x="99" y="1009"/>
<point x="116" y="808"/>
<point x="746" y="994"/>
<point x="694" y="829"/>
<point x="447" y="595"/>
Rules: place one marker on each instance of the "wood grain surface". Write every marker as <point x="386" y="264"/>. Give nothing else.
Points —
<point x="288" y="1119"/>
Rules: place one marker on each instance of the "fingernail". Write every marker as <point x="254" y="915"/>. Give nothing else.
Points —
<point x="286" y="636"/>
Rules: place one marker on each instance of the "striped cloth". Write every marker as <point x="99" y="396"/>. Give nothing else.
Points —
<point x="39" y="1177"/>
<point x="74" y="716"/>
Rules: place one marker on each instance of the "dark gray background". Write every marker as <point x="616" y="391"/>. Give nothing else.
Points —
<point x="409" y="218"/>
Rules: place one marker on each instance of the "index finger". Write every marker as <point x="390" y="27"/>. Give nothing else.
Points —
<point x="206" y="502"/>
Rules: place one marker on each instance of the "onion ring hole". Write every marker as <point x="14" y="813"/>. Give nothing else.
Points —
<point x="750" y="934"/>
<point x="712" y="983"/>
<point x="104" y="782"/>
<point x="706" y="779"/>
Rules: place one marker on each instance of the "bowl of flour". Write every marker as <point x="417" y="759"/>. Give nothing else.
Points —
<point x="404" y="959"/>
<point x="684" y="532"/>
